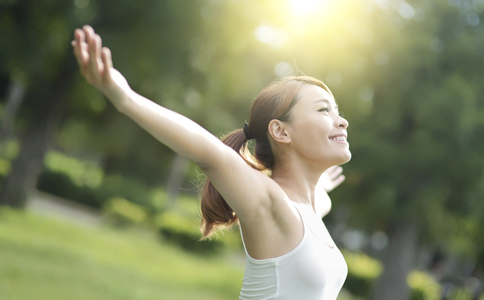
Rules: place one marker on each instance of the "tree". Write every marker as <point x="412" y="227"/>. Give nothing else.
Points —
<point x="420" y="163"/>
<point x="37" y="53"/>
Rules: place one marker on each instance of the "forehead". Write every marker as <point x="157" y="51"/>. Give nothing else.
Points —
<point x="310" y="94"/>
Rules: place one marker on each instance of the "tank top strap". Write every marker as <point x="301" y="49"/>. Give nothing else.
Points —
<point x="314" y="224"/>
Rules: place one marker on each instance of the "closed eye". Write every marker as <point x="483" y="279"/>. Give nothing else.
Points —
<point x="324" y="109"/>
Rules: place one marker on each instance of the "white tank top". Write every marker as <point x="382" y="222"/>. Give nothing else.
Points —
<point x="311" y="271"/>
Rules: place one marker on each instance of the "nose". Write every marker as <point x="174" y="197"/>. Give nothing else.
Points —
<point x="342" y="122"/>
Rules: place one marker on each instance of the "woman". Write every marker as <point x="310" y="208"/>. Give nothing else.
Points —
<point x="298" y="133"/>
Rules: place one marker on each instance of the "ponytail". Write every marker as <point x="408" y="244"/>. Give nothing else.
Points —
<point x="216" y="213"/>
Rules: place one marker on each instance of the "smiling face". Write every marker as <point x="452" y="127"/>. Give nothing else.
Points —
<point x="317" y="131"/>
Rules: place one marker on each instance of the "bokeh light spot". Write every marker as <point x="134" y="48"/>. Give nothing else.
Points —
<point x="269" y="35"/>
<point x="473" y="19"/>
<point x="283" y="69"/>
<point x="383" y="4"/>
<point x="437" y="45"/>
<point x="366" y="93"/>
<point x="334" y="78"/>
<point x="379" y="240"/>
<point x="454" y="3"/>
<point x="406" y="11"/>
<point x="193" y="98"/>
<point x="81" y="3"/>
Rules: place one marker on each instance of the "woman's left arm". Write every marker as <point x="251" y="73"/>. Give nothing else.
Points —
<point x="329" y="180"/>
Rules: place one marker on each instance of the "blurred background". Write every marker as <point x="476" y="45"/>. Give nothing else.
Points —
<point x="93" y="207"/>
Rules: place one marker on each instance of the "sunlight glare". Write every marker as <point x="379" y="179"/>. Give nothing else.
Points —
<point x="268" y="35"/>
<point x="304" y="7"/>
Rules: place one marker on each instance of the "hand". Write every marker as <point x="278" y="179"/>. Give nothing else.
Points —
<point x="331" y="178"/>
<point x="96" y="65"/>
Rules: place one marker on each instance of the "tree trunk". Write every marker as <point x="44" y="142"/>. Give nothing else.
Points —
<point x="398" y="261"/>
<point x="15" y="96"/>
<point x="49" y="99"/>
<point x="179" y="167"/>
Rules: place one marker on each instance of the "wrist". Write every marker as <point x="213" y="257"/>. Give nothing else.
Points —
<point x="118" y="97"/>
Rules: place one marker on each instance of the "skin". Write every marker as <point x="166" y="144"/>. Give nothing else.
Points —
<point x="305" y="152"/>
<point x="306" y="169"/>
<point x="306" y="146"/>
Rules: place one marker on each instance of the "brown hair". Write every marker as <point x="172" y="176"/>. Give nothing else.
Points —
<point x="274" y="102"/>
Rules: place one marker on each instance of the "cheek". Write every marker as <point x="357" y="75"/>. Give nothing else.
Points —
<point x="313" y="131"/>
<point x="312" y="141"/>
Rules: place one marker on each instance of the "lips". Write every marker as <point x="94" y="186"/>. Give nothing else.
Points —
<point x="341" y="138"/>
<point x="338" y="138"/>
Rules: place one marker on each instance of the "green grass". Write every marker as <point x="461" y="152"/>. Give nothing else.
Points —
<point x="43" y="258"/>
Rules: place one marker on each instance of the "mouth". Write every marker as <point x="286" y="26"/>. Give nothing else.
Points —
<point x="339" y="138"/>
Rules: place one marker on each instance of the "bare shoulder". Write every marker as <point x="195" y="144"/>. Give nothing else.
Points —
<point x="250" y="193"/>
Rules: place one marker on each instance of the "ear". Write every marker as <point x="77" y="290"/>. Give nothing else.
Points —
<point x="279" y="132"/>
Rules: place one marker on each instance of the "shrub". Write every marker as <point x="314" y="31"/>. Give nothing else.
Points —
<point x="122" y="212"/>
<point x="362" y="272"/>
<point x="61" y="185"/>
<point x="184" y="231"/>
<point x="423" y="286"/>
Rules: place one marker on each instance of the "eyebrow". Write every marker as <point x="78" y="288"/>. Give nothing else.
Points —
<point x="325" y="100"/>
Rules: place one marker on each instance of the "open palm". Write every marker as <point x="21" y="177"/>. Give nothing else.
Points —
<point x="96" y="65"/>
<point x="331" y="178"/>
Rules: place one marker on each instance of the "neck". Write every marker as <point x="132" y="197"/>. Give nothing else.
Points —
<point x="298" y="180"/>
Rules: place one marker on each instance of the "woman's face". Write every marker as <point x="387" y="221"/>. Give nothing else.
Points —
<point x="317" y="131"/>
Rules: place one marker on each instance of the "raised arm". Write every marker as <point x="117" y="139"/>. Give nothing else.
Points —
<point x="172" y="129"/>
<point x="226" y="169"/>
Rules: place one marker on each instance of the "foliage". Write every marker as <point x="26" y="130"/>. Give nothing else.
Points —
<point x="80" y="172"/>
<point x="8" y="152"/>
<point x="67" y="176"/>
<point x="407" y="74"/>
<point x="84" y="182"/>
<point x="362" y="272"/>
<point x="122" y="212"/>
<point x="181" y="226"/>
<point x="184" y="232"/>
<point x="423" y="286"/>
<point x="51" y="259"/>
<point x="419" y="146"/>
<point x="60" y="184"/>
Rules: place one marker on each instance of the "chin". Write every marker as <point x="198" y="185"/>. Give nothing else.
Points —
<point x="345" y="159"/>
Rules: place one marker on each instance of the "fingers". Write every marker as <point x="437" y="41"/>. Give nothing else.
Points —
<point x="339" y="180"/>
<point x="98" y="52"/>
<point x="93" y="54"/>
<point x="108" y="63"/>
<point x="93" y="59"/>
<point x="96" y="65"/>
<point x="335" y="172"/>
<point x="80" y="45"/>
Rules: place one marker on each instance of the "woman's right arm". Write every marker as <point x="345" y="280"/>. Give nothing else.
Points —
<point x="225" y="168"/>
<point x="172" y="129"/>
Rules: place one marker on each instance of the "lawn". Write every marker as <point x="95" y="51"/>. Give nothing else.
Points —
<point x="43" y="258"/>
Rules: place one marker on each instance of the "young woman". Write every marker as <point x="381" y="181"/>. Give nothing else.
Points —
<point x="298" y="135"/>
